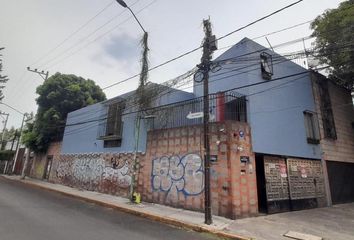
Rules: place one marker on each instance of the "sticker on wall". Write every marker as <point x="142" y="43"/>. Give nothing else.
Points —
<point x="213" y="158"/>
<point x="244" y="159"/>
<point x="241" y="134"/>
<point x="282" y="169"/>
<point x="250" y="169"/>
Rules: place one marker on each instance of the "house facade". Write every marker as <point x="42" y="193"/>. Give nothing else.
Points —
<point x="334" y="105"/>
<point x="269" y="151"/>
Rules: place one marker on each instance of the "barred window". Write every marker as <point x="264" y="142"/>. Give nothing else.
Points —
<point x="311" y="126"/>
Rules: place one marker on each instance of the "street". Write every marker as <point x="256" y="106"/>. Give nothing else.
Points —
<point x="33" y="214"/>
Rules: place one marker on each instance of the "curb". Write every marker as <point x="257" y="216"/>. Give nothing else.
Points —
<point x="161" y="219"/>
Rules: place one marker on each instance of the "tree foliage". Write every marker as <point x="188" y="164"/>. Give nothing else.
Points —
<point x="334" y="32"/>
<point x="3" y="78"/>
<point x="58" y="95"/>
<point x="9" y="135"/>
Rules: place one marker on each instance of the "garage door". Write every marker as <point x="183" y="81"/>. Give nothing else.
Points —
<point x="341" y="181"/>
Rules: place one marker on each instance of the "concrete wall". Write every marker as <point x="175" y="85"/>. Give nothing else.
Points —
<point x="275" y="109"/>
<point x="109" y="173"/>
<point x="172" y="171"/>
<point x="82" y="138"/>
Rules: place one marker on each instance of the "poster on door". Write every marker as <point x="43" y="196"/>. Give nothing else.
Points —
<point x="282" y="169"/>
<point x="303" y="172"/>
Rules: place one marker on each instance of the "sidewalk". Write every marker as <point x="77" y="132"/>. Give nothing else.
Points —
<point x="336" y="223"/>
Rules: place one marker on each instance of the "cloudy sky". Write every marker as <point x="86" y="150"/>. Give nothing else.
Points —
<point x="98" y="39"/>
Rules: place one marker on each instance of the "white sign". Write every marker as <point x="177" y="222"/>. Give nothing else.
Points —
<point x="199" y="115"/>
<point x="195" y="115"/>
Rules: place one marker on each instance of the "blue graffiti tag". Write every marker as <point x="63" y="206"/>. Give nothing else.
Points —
<point x="174" y="174"/>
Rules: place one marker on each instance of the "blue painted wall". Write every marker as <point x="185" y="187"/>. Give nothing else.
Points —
<point x="275" y="109"/>
<point x="82" y="138"/>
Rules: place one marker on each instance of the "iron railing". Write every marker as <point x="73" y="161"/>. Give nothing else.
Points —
<point x="222" y="106"/>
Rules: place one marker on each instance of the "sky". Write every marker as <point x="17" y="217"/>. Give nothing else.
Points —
<point x="99" y="40"/>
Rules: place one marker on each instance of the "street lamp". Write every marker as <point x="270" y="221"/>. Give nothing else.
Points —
<point x="123" y="4"/>
<point x="140" y="91"/>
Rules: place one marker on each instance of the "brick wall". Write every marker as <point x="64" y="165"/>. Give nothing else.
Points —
<point x="172" y="171"/>
<point x="341" y="149"/>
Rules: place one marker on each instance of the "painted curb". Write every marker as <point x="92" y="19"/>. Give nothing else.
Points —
<point x="154" y="217"/>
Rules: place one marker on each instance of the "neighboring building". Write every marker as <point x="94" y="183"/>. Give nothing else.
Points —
<point x="334" y="105"/>
<point x="268" y="146"/>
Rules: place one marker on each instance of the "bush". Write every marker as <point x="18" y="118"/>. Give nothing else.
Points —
<point x="6" y="155"/>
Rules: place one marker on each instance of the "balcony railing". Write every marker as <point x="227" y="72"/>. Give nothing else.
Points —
<point x="222" y="106"/>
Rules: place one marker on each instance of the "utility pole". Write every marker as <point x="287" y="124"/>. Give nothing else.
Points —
<point x="209" y="45"/>
<point x="43" y="74"/>
<point x="3" y="131"/>
<point x="18" y="142"/>
<point x="13" y="140"/>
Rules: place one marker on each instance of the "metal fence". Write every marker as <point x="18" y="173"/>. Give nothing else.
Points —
<point x="222" y="106"/>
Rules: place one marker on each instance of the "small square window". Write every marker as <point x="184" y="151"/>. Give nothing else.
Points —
<point x="311" y="126"/>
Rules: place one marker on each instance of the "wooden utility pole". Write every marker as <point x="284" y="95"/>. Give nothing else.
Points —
<point x="18" y="143"/>
<point x="209" y="45"/>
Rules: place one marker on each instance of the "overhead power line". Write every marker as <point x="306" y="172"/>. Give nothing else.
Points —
<point x="232" y="89"/>
<point x="72" y="34"/>
<point x="95" y="39"/>
<point x="196" y="49"/>
<point x="180" y="81"/>
<point x="12" y="108"/>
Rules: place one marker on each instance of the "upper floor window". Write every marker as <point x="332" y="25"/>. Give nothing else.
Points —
<point x="111" y="130"/>
<point x="266" y="66"/>
<point x="311" y="126"/>
<point x="329" y="127"/>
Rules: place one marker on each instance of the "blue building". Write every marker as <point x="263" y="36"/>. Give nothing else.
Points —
<point x="275" y="109"/>
<point x="248" y="83"/>
<point x="109" y="126"/>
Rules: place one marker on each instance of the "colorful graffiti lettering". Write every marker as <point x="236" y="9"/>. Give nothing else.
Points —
<point x="174" y="174"/>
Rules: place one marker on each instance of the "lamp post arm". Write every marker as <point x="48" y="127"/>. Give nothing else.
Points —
<point x="137" y="19"/>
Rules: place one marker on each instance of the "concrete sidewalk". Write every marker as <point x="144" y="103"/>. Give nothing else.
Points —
<point x="335" y="223"/>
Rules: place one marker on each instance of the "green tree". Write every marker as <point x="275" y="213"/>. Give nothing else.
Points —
<point x="58" y="95"/>
<point x="3" y="78"/>
<point x="9" y="136"/>
<point x="334" y="32"/>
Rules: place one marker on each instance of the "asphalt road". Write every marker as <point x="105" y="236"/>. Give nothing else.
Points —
<point x="33" y="214"/>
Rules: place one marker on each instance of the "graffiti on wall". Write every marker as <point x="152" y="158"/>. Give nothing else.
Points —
<point x="95" y="171"/>
<point x="178" y="174"/>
